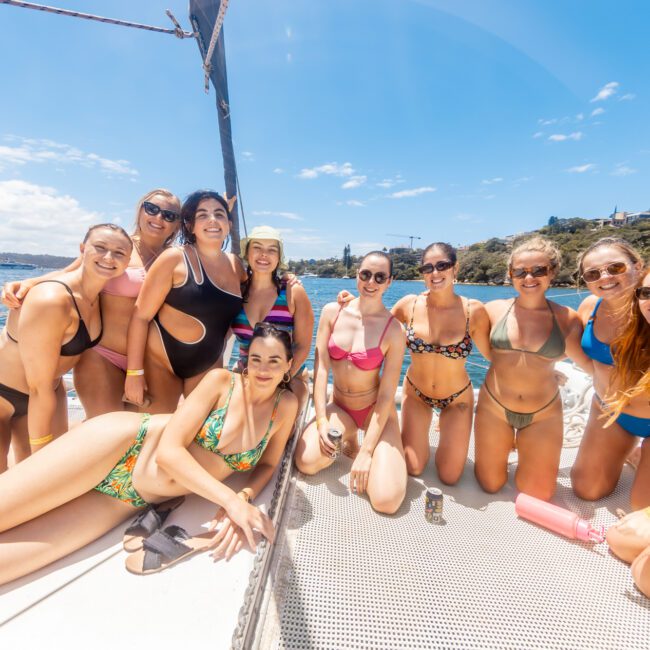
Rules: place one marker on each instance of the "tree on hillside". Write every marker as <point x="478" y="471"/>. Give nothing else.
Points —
<point x="347" y="257"/>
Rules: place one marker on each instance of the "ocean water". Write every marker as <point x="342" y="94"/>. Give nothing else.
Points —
<point x="324" y="290"/>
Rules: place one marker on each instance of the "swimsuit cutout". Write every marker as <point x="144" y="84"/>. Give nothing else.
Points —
<point x="460" y="350"/>
<point x="210" y="433"/>
<point x="279" y="316"/>
<point x="81" y="341"/>
<point x="369" y="359"/>
<point x="594" y="348"/>
<point x="211" y="306"/>
<point x="127" y="285"/>
<point x="553" y="347"/>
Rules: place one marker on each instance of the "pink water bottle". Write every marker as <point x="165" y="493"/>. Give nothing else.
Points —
<point x="557" y="519"/>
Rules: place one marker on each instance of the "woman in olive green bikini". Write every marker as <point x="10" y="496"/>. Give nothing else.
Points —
<point x="100" y="473"/>
<point x="519" y="401"/>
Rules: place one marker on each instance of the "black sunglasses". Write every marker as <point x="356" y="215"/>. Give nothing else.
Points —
<point x="615" y="268"/>
<point x="536" y="271"/>
<point x="380" y="276"/>
<point x="642" y="293"/>
<point x="152" y="209"/>
<point x="438" y="266"/>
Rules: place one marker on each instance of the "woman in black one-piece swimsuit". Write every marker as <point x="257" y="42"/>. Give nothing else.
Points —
<point x="184" y="310"/>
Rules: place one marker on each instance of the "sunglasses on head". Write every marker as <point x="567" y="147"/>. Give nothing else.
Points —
<point x="380" y="276"/>
<point x="152" y="210"/>
<point x="615" y="268"/>
<point x="520" y="272"/>
<point x="443" y="265"/>
<point x="642" y="293"/>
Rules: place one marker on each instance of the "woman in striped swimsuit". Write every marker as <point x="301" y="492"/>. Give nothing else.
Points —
<point x="269" y="299"/>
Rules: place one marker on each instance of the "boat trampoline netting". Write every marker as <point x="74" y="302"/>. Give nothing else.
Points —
<point x="343" y="576"/>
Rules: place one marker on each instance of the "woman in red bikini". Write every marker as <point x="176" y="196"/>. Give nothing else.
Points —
<point x="99" y="376"/>
<point x="363" y="344"/>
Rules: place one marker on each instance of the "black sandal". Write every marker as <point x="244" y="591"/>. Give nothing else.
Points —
<point x="148" y="522"/>
<point x="166" y="547"/>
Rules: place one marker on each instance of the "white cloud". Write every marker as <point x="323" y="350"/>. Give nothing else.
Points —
<point x="606" y="91"/>
<point x="580" y="117"/>
<point x="538" y="134"/>
<point x="248" y="155"/>
<point x="37" y="219"/>
<point x="288" y="31"/>
<point x="409" y="193"/>
<point x="622" y="169"/>
<point x="561" y="137"/>
<point x="462" y="216"/>
<point x="354" y="182"/>
<point x="547" y="122"/>
<point x="581" y="169"/>
<point x="389" y="182"/>
<point x="329" y="169"/>
<point x="282" y="215"/>
<point x="363" y="247"/>
<point x="278" y="170"/>
<point x="491" y="181"/>
<point x="597" y="111"/>
<point x="289" y="57"/>
<point x="628" y="97"/>
<point x="30" y="150"/>
<point x="355" y="204"/>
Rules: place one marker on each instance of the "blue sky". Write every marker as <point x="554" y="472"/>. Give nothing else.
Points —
<point x="448" y="120"/>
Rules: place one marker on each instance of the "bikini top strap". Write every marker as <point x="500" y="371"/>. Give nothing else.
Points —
<point x="274" y="412"/>
<point x="336" y="318"/>
<point x="593" y="313"/>
<point x="388" y="322"/>
<point x="232" y="386"/>
<point x="69" y="290"/>
<point x="412" y="312"/>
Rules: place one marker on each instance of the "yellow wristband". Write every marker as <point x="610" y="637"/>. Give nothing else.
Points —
<point x="41" y="441"/>
<point x="321" y="420"/>
<point x="135" y="373"/>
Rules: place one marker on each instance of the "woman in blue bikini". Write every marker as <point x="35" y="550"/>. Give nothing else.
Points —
<point x="111" y="467"/>
<point x="610" y="267"/>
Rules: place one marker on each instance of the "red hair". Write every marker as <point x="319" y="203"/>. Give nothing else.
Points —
<point x="631" y="352"/>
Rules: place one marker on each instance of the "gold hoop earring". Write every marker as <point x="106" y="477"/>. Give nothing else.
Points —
<point x="244" y="372"/>
<point x="287" y="378"/>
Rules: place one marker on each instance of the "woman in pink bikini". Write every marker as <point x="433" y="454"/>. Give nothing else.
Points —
<point x="364" y="345"/>
<point x="99" y="376"/>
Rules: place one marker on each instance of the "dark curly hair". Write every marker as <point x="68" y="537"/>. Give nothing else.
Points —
<point x="188" y="213"/>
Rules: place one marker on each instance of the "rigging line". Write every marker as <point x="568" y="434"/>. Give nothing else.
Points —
<point x="207" y="65"/>
<point x="241" y="204"/>
<point x="177" y="31"/>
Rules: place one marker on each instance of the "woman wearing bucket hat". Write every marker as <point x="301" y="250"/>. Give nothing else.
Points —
<point x="269" y="298"/>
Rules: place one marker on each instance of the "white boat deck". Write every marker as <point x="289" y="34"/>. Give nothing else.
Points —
<point x="342" y="576"/>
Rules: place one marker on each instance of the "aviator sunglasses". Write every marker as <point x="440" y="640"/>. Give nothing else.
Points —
<point x="615" y="268"/>
<point x="520" y="272"/>
<point x="642" y="293"/>
<point x="443" y="265"/>
<point x="380" y="276"/>
<point x="152" y="210"/>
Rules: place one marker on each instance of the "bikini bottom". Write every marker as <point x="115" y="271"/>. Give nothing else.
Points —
<point x="631" y="424"/>
<point x="114" y="358"/>
<point x="516" y="419"/>
<point x="16" y="398"/>
<point x="358" y="415"/>
<point x="435" y="402"/>
<point x="119" y="482"/>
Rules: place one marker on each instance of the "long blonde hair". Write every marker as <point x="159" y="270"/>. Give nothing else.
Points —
<point x="149" y="195"/>
<point x="631" y="351"/>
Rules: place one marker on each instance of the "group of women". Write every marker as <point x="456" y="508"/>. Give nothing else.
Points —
<point x="144" y="323"/>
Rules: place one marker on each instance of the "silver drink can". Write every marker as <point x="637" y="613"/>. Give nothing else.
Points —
<point x="433" y="505"/>
<point x="335" y="436"/>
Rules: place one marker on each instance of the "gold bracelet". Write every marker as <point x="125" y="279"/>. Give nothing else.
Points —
<point x="42" y="440"/>
<point x="135" y="373"/>
<point x="247" y="497"/>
